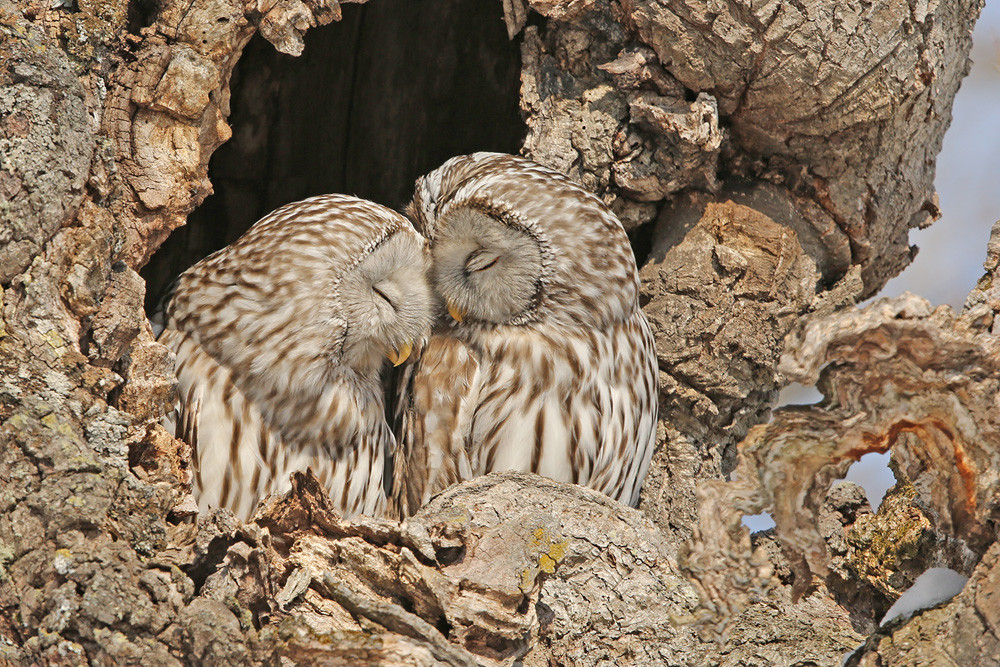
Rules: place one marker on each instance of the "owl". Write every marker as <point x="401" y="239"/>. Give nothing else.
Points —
<point x="280" y="339"/>
<point x="544" y="362"/>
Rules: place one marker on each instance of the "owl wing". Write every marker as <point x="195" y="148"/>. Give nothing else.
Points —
<point x="438" y="393"/>
<point x="237" y="459"/>
<point x="626" y="409"/>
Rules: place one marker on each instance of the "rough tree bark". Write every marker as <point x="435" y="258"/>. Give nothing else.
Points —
<point x="768" y="159"/>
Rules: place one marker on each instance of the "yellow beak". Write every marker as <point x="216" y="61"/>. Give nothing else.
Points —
<point x="456" y="313"/>
<point x="399" y="356"/>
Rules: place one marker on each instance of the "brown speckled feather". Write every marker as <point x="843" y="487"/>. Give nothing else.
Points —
<point x="566" y="388"/>
<point x="280" y="338"/>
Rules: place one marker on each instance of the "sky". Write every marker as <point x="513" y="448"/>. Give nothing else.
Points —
<point x="952" y="250"/>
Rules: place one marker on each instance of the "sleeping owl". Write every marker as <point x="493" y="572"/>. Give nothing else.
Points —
<point x="280" y="339"/>
<point x="544" y="361"/>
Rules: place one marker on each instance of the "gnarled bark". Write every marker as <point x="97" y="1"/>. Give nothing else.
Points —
<point x="768" y="161"/>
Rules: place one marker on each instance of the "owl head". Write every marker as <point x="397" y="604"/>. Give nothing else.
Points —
<point x="321" y="287"/>
<point x="385" y="301"/>
<point x="514" y="243"/>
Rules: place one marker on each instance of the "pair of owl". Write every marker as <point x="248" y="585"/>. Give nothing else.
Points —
<point x="543" y="363"/>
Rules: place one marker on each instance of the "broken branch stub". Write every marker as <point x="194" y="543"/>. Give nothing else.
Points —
<point x="505" y="567"/>
<point x="850" y="153"/>
<point x="854" y="149"/>
<point x="896" y="375"/>
<point x="723" y="285"/>
<point x="896" y="368"/>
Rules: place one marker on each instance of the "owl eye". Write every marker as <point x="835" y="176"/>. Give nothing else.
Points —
<point x="481" y="260"/>
<point x="382" y="294"/>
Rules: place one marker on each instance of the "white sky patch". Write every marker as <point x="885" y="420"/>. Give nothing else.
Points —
<point x="798" y="394"/>
<point x="934" y="586"/>
<point x="872" y="474"/>
<point x="758" y="522"/>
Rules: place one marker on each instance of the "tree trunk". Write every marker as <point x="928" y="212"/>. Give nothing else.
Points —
<point x="768" y="162"/>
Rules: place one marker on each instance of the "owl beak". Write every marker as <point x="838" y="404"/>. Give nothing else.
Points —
<point x="456" y="313"/>
<point x="398" y="356"/>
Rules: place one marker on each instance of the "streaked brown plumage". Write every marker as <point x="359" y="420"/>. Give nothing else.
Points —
<point x="280" y="338"/>
<point x="551" y="366"/>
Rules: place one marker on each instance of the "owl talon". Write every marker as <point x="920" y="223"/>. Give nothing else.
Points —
<point x="456" y="313"/>
<point x="399" y="356"/>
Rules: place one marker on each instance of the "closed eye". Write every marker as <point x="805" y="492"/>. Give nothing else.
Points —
<point x="382" y="294"/>
<point x="480" y="261"/>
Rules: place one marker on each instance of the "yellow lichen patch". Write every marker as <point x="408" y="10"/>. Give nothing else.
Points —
<point x="18" y="421"/>
<point x="882" y="543"/>
<point x="52" y="422"/>
<point x="557" y="550"/>
<point x="54" y="340"/>
<point x="548" y="551"/>
<point x="546" y="564"/>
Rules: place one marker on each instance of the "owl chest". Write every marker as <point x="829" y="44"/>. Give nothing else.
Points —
<point x="337" y="433"/>
<point x="538" y="408"/>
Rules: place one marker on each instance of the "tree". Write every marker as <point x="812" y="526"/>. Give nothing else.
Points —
<point x="768" y="160"/>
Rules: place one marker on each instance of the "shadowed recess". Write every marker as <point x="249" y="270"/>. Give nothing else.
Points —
<point x="376" y="100"/>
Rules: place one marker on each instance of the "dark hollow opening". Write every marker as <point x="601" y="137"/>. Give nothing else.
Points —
<point x="375" y="100"/>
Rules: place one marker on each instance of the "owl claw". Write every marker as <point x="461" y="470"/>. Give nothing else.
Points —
<point x="458" y="314"/>
<point x="399" y="356"/>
